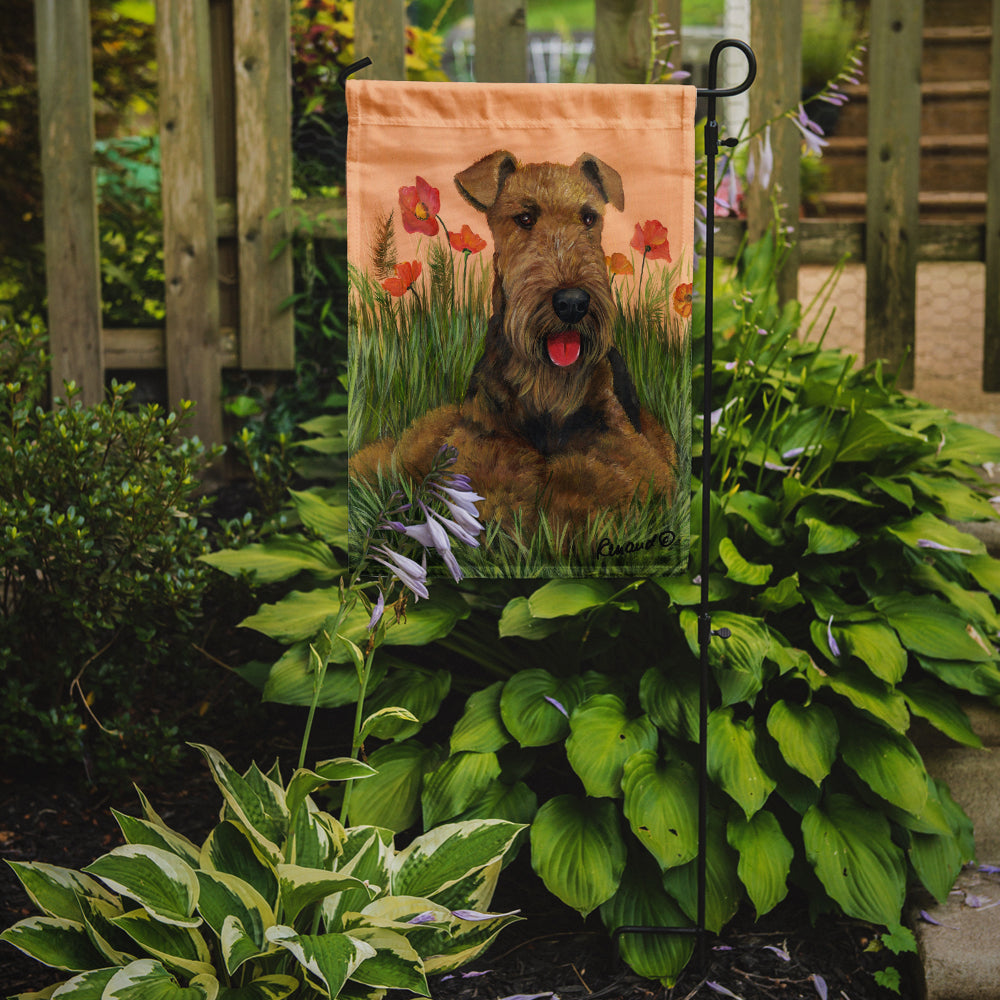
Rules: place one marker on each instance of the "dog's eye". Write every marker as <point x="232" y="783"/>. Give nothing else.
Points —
<point x="588" y="218"/>
<point x="524" y="221"/>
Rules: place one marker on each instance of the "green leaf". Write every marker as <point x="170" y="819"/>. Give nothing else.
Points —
<point x="850" y="848"/>
<point x="417" y="690"/>
<point x="957" y="501"/>
<point x="279" y="558"/>
<point x="230" y="849"/>
<point x="141" y="831"/>
<point x="147" y="979"/>
<point x="927" y="527"/>
<point x="671" y="700"/>
<point x="180" y="948"/>
<point x="738" y="661"/>
<point x="56" y="891"/>
<point x="741" y="571"/>
<point x="304" y="782"/>
<point x="828" y="539"/>
<point x="640" y="901"/>
<point x="602" y="738"/>
<point x="275" y="987"/>
<point x="456" y="784"/>
<point x="391" y="798"/>
<point x="986" y="571"/>
<point x="661" y="798"/>
<point x="516" y="803"/>
<point x="807" y="736"/>
<point x="876" y="646"/>
<point x="54" y="941"/>
<point x="760" y="512"/>
<point x="528" y="714"/>
<point x="765" y="858"/>
<point x="517" y="620"/>
<point x="931" y="628"/>
<point x="783" y="595"/>
<point x="301" y="887"/>
<point x="888" y="763"/>
<point x="292" y="679"/>
<point x="395" y="964"/>
<point x="163" y="884"/>
<point x="328" y="521"/>
<point x="224" y="897"/>
<point x="941" y="709"/>
<point x="86" y="986"/>
<point x="732" y="760"/>
<point x="965" y="443"/>
<point x="869" y="436"/>
<point x="578" y="851"/>
<point x="561" y="597"/>
<point x="330" y="959"/>
<point x="481" y="727"/>
<point x="864" y="691"/>
<point x="976" y="678"/>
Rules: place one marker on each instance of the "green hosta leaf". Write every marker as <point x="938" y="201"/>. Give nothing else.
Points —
<point x="395" y="964"/>
<point x="661" y="798"/>
<point x="765" y="858"/>
<point x="685" y="593"/>
<point x="177" y="947"/>
<point x="561" y="597"/>
<point x="301" y="887"/>
<point x="602" y="738"/>
<point x="828" y="539"/>
<point x="941" y="709"/>
<point x="976" y="605"/>
<point x="578" y="851"/>
<point x="807" y="736"/>
<point x="230" y="849"/>
<point x="758" y="511"/>
<point x="481" y="728"/>
<point x="388" y="722"/>
<point x="515" y="803"/>
<point x="641" y="901"/>
<point x="159" y="881"/>
<point x="931" y="628"/>
<point x="328" y="521"/>
<point x="56" y="891"/>
<point x="147" y="979"/>
<point x="850" y="847"/>
<point x="261" y="809"/>
<point x="141" y="831"/>
<point x="937" y="859"/>
<point x="732" y="760"/>
<point x="976" y="678"/>
<point x="415" y="689"/>
<point x="864" y="691"/>
<point x="986" y="572"/>
<point x="957" y="501"/>
<point x="876" y="646"/>
<point x="783" y="595"/>
<point x="870" y="436"/>
<point x="54" y="941"/>
<point x="391" y="798"/>
<point x="738" y="661"/>
<point x="225" y="897"/>
<point x="275" y="987"/>
<point x="456" y="784"/>
<point x="330" y="959"/>
<point x="466" y="941"/>
<point x="671" y="700"/>
<point x="279" y="558"/>
<point x="517" y="620"/>
<point x="440" y="858"/>
<point x="965" y="443"/>
<point x="888" y="763"/>
<point x="928" y="528"/>
<point x="87" y="986"/>
<point x="528" y="710"/>
<point x="893" y="488"/>
<point x="739" y="569"/>
<point x="723" y="889"/>
<point x="292" y="679"/>
<point x="304" y="782"/>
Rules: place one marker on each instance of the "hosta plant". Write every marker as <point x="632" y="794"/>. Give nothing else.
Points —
<point x="279" y="900"/>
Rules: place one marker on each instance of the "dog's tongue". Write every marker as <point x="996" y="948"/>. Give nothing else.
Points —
<point x="564" y="348"/>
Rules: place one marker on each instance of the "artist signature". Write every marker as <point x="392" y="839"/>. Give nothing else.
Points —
<point x="607" y="547"/>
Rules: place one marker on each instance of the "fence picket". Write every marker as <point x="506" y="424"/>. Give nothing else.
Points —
<point x="380" y="34"/>
<point x="501" y="41"/>
<point x="991" y="332"/>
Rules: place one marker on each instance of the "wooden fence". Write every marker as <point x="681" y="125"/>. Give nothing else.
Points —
<point x="226" y="161"/>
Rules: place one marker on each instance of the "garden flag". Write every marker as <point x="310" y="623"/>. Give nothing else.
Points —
<point x="520" y="311"/>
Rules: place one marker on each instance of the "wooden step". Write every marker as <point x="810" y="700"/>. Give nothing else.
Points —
<point x="940" y="13"/>
<point x="956" y="53"/>
<point x="958" y="206"/>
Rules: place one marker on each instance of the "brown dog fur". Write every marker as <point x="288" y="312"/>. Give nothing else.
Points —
<point x="532" y="436"/>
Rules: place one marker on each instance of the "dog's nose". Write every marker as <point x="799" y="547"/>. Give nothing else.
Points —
<point x="571" y="304"/>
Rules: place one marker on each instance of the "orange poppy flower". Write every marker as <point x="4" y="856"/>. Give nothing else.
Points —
<point x="419" y="206"/>
<point x="466" y="241"/>
<point x="406" y="274"/>
<point x="682" y="299"/>
<point x="651" y="240"/>
<point x="618" y="263"/>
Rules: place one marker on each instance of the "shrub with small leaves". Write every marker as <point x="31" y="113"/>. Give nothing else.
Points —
<point x="100" y="579"/>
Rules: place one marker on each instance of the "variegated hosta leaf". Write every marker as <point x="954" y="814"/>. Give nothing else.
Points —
<point x="230" y="849"/>
<point x="888" y="763"/>
<point x="256" y="801"/>
<point x="86" y="986"/>
<point x="395" y="964"/>
<point x="225" y="897"/>
<point x="661" y="799"/>
<point x="602" y="737"/>
<point x="850" y="847"/>
<point x="481" y="727"/>
<point x="177" y="947"/>
<point x="476" y="890"/>
<point x="807" y="736"/>
<point x="642" y="902"/>
<point x="56" y="891"/>
<point x="732" y="760"/>
<point x="578" y="851"/>
<point x="147" y="979"/>
<point x="54" y="941"/>
<point x="300" y="887"/>
<point x="765" y="858"/>
<point x="535" y="706"/>
<point x="315" y="838"/>
<point x="274" y="987"/>
<point x="367" y="853"/>
<point x="304" y="782"/>
<point x="456" y="784"/>
<point x="441" y="857"/>
<point x="466" y="941"/>
<point x="141" y="831"/>
<point x="329" y="959"/>
<point x="116" y="947"/>
<point x="158" y="880"/>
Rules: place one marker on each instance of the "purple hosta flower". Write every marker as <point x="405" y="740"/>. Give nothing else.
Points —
<point x="820" y="983"/>
<point x="719" y="988"/>
<point x="557" y="704"/>
<point x="531" y="996"/>
<point x="432" y="535"/>
<point x="377" y="612"/>
<point x="811" y="132"/>
<point x="760" y="165"/>
<point x="460" y="493"/>
<point x="465" y="975"/>
<point x="475" y="915"/>
<point x="989" y="869"/>
<point x="928" y="543"/>
<point x="834" y="648"/>
<point x="410" y="573"/>
<point x="456" y="529"/>
<point x="780" y="952"/>
<point x="727" y="198"/>
<point x="427" y="917"/>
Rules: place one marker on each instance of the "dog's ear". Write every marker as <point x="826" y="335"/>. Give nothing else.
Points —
<point x="606" y="179"/>
<point x="480" y="184"/>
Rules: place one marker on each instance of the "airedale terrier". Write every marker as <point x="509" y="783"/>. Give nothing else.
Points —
<point x="551" y="423"/>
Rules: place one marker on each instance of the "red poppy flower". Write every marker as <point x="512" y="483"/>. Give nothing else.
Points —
<point x="651" y="240"/>
<point x="618" y="263"/>
<point x="682" y="300"/>
<point x="466" y="241"/>
<point x="419" y="206"/>
<point x="406" y="274"/>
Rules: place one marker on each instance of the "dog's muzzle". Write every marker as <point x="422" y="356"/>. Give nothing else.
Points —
<point x="571" y="304"/>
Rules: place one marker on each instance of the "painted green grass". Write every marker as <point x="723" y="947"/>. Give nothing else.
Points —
<point x="412" y="353"/>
